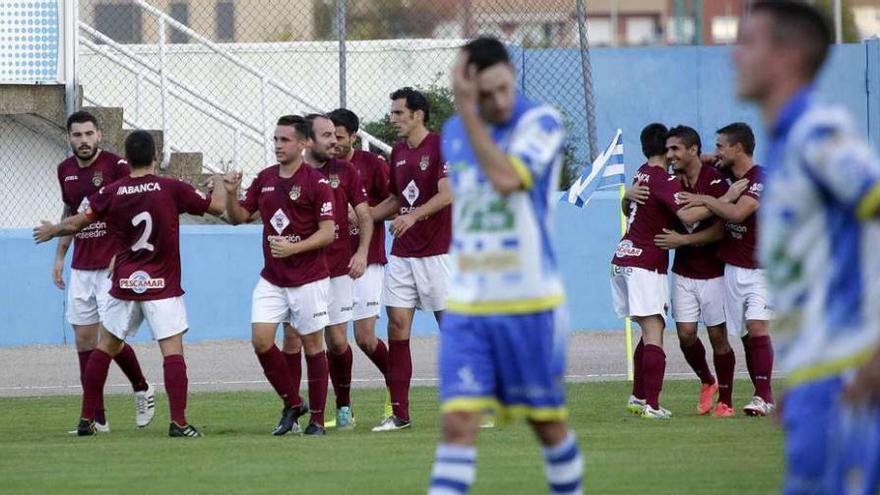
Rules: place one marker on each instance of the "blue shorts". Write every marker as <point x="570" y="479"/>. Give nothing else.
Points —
<point x="830" y="447"/>
<point x="508" y="364"/>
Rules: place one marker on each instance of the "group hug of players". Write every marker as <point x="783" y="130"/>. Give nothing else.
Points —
<point x="322" y="206"/>
<point x="704" y="206"/>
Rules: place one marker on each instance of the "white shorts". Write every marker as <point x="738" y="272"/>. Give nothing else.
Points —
<point x="304" y="307"/>
<point x="695" y="300"/>
<point x="421" y="283"/>
<point x="368" y="293"/>
<point x="166" y="317"/>
<point x="339" y="303"/>
<point x="88" y="294"/>
<point x="639" y="292"/>
<point x="745" y="298"/>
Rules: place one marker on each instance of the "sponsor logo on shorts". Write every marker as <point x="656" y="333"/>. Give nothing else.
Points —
<point x="140" y="282"/>
<point x="625" y="248"/>
<point x="466" y="380"/>
<point x="318" y="315"/>
<point x="346" y="309"/>
<point x="620" y="270"/>
<point x="372" y="303"/>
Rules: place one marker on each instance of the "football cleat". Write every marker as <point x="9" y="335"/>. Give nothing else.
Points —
<point x="758" y="407"/>
<point x="344" y="418"/>
<point x="723" y="410"/>
<point x="144" y="406"/>
<point x="186" y="431"/>
<point x="635" y="405"/>
<point x="651" y="413"/>
<point x="392" y="423"/>
<point x="315" y="430"/>
<point x="86" y="428"/>
<point x="707" y="396"/>
<point x="289" y="416"/>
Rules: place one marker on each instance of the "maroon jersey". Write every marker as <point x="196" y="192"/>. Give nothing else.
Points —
<point x="143" y="215"/>
<point x="414" y="176"/>
<point x="347" y="190"/>
<point x="645" y="221"/>
<point x="291" y="209"/>
<point x="739" y="245"/>
<point x="702" y="262"/>
<point x="92" y="247"/>
<point x="374" y="176"/>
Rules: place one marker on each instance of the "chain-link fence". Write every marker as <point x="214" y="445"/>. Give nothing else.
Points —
<point x="214" y="75"/>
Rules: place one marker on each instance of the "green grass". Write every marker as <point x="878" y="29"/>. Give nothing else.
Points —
<point x="624" y="454"/>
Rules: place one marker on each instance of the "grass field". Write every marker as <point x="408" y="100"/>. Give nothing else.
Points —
<point x="624" y="453"/>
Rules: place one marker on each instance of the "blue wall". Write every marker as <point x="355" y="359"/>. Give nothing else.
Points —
<point x="690" y="85"/>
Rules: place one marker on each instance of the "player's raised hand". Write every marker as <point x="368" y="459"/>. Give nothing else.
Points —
<point x="281" y="248"/>
<point x="638" y="194"/>
<point x="401" y="224"/>
<point x="232" y="181"/>
<point x="357" y="265"/>
<point x="464" y="83"/>
<point x="57" y="273"/>
<point x="669" y="239"/>
<point x="735" y="191"/>
<point x="44" y="232"/>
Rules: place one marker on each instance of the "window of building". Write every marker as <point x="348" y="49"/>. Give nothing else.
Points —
<point x="640" y="30"/>
<point x="179" y="12"/>
<point x="224" y="21"/>
<point x="120" y="22"/>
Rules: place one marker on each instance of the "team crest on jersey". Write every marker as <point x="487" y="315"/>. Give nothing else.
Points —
<point x="334" y="180"/>
<point x="423" y="163"/>
<point x="295" y="192"/>
<point x="98" y="179"/>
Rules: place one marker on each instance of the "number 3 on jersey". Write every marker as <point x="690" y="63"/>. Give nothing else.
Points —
<point x="143" y="217"/>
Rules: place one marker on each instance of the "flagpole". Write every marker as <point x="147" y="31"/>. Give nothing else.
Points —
<point x="628" y="321"/>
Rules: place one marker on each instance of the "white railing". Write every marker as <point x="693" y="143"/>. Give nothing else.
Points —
<point x="169" y="86"/>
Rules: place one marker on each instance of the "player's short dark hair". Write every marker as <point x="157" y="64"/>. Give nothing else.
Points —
<point x="301" y="126"/>
<point x="343" y="117"/>
<point x="486" y="51"/>
<point x="739" y="133"/>
<point x="140" y="149"/>
<point x="653" y="139"/>
<point x="414" y="100"/>
<point x="688" y="135"/>
<point x="81" y="117"/>
<point x="800" y="25"/>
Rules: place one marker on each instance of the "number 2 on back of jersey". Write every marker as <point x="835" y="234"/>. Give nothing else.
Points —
<point x="633" y="207"/>
<point x="142" y="243"/>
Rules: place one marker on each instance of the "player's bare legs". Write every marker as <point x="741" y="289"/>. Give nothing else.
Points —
<point x="695" y="355"/>
<point x="653" y="360"/>
<point x="400" y="360"/>
<point x="276" y="369"/>
<point x="340" y="359"/>
<point x="759" y="360"/>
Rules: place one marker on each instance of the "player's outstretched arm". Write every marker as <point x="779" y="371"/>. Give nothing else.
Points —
<point x="358" y="263"/>
<point x="69" y="226"/>
<point x="282" y="248"/>
<point x="736" y="212"/>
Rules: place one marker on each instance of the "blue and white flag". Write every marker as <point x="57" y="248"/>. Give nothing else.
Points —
<point x="608" y="171"/>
